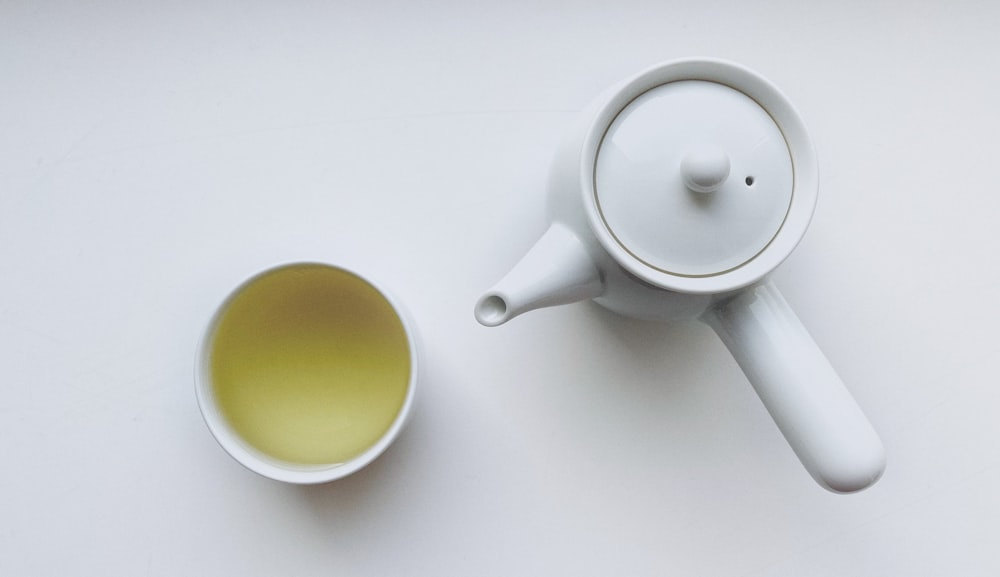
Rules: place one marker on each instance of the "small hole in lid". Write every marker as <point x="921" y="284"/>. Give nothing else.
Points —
<point x="749" y="180"/>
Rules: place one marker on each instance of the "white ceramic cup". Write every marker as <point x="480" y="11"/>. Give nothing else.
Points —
<point x="266" y="464"/>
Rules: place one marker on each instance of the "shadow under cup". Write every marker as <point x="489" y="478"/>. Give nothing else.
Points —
<point x="306" y="373"/>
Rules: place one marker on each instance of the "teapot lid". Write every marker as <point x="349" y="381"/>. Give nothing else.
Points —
<point x="703" y="178"/>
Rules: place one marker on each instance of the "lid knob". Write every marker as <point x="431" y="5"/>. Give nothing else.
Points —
<point x="704" y="168"/>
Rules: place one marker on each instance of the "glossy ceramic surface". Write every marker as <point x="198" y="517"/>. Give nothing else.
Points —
<point x="673" y="197"/>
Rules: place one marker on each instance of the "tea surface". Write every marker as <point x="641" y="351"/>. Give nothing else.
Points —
<point x="310" y="364"/>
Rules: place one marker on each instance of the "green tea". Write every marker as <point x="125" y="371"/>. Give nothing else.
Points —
<point x="310" y="364"/>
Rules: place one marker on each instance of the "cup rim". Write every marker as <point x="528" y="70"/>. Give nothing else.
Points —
<point x="262" y="463"/>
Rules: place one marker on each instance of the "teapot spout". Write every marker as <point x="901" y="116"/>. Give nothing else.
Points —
<point x="557" y="270"/>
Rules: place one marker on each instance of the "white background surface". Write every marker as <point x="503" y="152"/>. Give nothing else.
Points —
<point x="153" y="155"/>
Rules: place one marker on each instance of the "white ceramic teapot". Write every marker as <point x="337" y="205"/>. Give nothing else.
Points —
<point x="673" y="197"/>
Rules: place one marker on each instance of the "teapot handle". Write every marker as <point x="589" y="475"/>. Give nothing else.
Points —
<point x="807" y="400"/>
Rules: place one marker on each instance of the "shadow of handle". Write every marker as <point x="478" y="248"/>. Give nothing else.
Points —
<point x="804" y="395"/>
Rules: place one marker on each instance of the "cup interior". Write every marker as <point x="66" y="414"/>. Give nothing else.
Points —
<point x="306" y="372"/>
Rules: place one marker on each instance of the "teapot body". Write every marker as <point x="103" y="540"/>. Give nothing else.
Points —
<point x="670" y="233"/>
